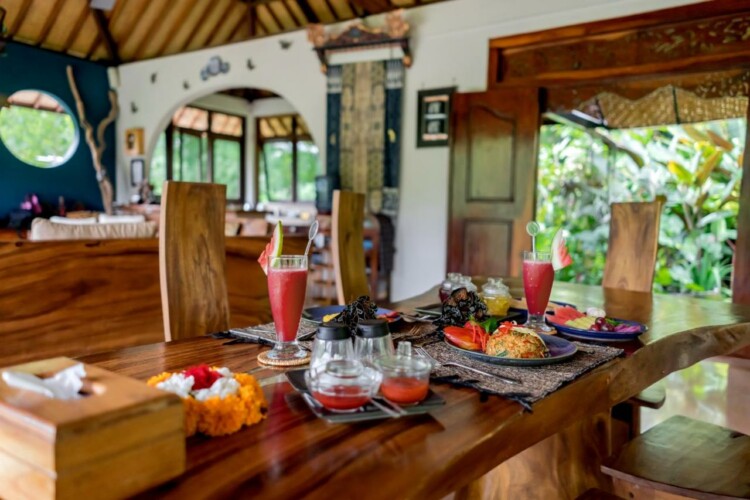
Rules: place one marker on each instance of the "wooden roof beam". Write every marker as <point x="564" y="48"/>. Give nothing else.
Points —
<point x="308" y="11"/>
<point x="82" y="16"/>
<point x="49" y="22"/>
<point x="102" y="24"/>
<point x="18" y="21"/>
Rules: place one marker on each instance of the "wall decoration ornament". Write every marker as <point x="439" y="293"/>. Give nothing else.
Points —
<point x="285" y="44"/>
<point x="434" y="117"/>
<point x="134" y="142"/>
<point x="214" y="67"/>
<point x="358" y="36"/>
<point x="133" y="107"/>
<point x="250" y="64"/>
<point x="185" y="85"/>
<point x="153" y="77"/>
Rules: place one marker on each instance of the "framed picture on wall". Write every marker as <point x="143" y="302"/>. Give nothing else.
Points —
<point x="134" y="142"/>
<point x="137" y="171"/>
<point x="434" y="117"/>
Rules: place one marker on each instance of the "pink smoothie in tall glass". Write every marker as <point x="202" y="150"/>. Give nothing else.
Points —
<point x="537" y="283"/>
<point x="286" y="290"/>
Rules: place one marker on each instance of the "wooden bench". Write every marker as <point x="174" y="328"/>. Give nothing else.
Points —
<point x="70" y="298"/>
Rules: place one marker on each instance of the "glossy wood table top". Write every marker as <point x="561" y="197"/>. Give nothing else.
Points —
<point x="292" y="453"/>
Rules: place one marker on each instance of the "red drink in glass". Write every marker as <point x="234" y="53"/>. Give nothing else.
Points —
<point x="287" y="283"/>
<point x="538" y="276"/>
<point x="286" y="291"/>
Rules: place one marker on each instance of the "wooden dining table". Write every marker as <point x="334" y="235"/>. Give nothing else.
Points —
<point x="292" y="453"/>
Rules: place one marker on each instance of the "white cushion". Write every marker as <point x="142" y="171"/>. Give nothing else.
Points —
<point x="44" y="230"/>
<point x="121" y="219"/>
<point x="72" y="221"/>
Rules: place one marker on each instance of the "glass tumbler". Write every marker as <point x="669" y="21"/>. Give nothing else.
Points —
<point x="332" y="341"/>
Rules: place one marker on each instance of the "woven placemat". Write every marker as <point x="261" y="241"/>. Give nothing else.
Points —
<point x="536" y="382"/>
<point x="265" y="360"/>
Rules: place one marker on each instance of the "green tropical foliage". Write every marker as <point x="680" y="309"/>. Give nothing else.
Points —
<point x="276" y="160"/>
<point x="695" y="169"/>
<point x="190" y="162"/>
<point x="37" y="137"/>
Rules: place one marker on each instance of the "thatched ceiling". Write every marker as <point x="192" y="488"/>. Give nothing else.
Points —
<point x="142" y="29"/>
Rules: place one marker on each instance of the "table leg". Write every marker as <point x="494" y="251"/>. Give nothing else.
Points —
<point x="562" y="466"/>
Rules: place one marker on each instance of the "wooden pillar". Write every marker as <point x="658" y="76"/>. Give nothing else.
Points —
<point x="741" y="275"/>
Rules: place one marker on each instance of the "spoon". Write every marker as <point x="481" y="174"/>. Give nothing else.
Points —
<point x="533" y="229"/>
<point x="311" y="234"/>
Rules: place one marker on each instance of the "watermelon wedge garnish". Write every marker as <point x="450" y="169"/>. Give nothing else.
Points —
<point x="560" y="256"/>
<point x="273" y="249"/>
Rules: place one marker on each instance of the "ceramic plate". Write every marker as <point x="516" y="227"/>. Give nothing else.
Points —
<point x="317" y="314"/>
<point x="559" y="350"/>
<point x="578" y="333"/>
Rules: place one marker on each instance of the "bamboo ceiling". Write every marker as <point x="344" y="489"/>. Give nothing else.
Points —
<point x="142" y="29"/>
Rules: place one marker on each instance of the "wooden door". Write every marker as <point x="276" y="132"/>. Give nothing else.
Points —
<point x="493" y="177"/>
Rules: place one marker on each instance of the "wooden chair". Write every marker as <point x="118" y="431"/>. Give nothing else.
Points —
<point x="348" y="245"/>
<point x="683" y="457"/>
<point x="192" y="259"/>
<point x="633" y="242"/>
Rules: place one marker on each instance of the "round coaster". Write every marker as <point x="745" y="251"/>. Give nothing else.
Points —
<point x="265" y="360"/>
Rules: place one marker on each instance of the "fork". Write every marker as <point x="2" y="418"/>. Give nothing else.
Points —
<point x="423" y="352"/>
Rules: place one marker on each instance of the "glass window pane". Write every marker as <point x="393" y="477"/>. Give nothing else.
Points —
<point x="226" y="124"/>
<point x="191" y="118"/>
<point x="191" y="155"/>
<point x="37" y="130"/>
<point x="307" y="169"/>
<point x="157" y="173"/>
<point x="276" y="156"/>
<point x="227" y="163"/>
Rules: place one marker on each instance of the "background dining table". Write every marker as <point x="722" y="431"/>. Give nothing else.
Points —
<point x="292" y="453"/>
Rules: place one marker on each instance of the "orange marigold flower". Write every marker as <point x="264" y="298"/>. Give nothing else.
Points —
<point x="218" y="417"/>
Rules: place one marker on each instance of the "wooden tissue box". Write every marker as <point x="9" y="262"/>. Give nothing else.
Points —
<point x="121" y="438"/>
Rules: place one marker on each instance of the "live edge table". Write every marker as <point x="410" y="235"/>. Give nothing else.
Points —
<point x="293" y="454"/>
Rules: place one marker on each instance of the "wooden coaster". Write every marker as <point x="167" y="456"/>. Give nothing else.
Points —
<point x="265" y="360"/>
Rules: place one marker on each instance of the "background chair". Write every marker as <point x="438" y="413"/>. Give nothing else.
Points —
<point x="348" y="245"/>
<point x="633" y="242"/>
<point x="192" y="259"/>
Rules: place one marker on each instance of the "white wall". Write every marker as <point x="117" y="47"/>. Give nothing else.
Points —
<point x="293" y="73"/>
<point x="450" y="47"/>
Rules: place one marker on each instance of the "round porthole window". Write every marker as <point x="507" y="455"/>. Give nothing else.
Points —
<point x="38" y="129"/>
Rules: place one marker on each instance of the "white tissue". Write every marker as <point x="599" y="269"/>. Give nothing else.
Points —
<point x="65" y="384"/>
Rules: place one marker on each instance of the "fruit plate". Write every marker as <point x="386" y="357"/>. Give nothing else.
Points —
<point x="523" y="313"/>
<point x="316" y="314"/>
<point x="578" y="333"/>
<point x="559" y="350"/>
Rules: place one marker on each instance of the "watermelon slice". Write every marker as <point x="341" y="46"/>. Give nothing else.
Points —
<point x="273" y="249"/>
<point x="560" y="256"/>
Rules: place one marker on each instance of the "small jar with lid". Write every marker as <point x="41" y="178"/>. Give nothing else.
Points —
<point x="451" y="282"/>
<point x="465" y="282"/>
<point x="373" y="340"/>
<point x="406" y="378"/>
<point x="332" y="341"/>
<point x="343" y="385"/>
<point x="496" y="295"/>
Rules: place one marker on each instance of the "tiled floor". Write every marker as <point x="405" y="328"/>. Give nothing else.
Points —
<point x="715" y="391"/>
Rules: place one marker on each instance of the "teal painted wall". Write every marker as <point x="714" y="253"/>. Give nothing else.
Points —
<point x="24" y="67"/>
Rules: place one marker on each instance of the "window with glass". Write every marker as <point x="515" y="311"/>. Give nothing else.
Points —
<point x="288" y="159"/>
<point x="37" y="129"/>
<point x="200" y="145"/>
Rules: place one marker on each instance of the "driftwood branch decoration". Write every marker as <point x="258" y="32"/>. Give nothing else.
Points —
<point x="97" y="144"/>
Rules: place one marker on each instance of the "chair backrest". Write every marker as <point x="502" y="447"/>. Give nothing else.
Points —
<point x="192" y="259"/>
<point x="347" y="233"/>
<point x="633" y="242"/>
